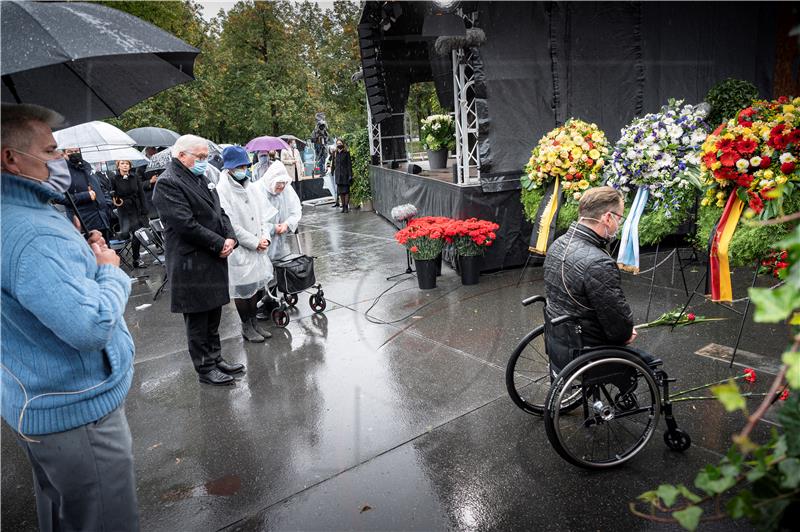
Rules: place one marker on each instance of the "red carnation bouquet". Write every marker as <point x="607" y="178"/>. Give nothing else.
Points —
<point x="470" y="237"/>
<point x="775" y="264"/>
<point x="424" y="237"/>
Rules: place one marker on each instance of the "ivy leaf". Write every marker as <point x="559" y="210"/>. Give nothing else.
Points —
<point x="774" y="306"/>
<point x="689" y="494"/>
<point x="712" y="481"/>
<point x="668" y="493"/>
<point x="792" y="360"/>
<point x="728" y="394"/>
<point x="789" y="417"/>
<point x="689" y="518"/>
<point x="791" y="473"/>
<point x="650" y="497"/>
<point x="741" y="505"/>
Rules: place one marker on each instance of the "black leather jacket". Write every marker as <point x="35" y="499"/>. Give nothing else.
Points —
<point x="589" y="288"/>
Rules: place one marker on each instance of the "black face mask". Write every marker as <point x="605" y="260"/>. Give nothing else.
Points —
<point x="74" y="158"/>
<point x="339" y="147"/>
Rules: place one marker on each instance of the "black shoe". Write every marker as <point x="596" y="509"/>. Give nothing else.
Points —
<point x="216" y="378"/>
<point x="139" y="263"/>
<point x="227" y="367"/>
<point x="336" y="205"/>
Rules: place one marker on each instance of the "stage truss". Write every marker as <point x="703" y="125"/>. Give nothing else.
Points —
<point x="375" y="146"/>
<point x="466" y="115"/>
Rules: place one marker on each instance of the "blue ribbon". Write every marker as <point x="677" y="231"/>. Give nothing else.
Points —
<point x="628" y="258"/>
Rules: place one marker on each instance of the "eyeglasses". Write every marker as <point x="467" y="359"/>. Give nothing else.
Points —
<point x="620" y="216"/>
<point x="198" y="157"/>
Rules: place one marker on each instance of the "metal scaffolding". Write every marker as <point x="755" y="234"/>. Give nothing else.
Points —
<point x="466" y="118"/>
<point x="375" y="140"/>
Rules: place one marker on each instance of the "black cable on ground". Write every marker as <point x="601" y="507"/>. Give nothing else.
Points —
<point x="379" y="321"/>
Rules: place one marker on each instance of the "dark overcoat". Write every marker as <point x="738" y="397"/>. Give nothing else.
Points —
<point x="342" y="167"/>
<point x="195" y="229"/>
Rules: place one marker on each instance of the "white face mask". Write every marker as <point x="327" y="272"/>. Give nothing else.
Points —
<point x="59" y="179"/>
<point x="608" y="237"/>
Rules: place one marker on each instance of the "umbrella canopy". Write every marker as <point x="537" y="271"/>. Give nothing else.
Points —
<point x="79" y="58"/>
<point x="160" y="160"/>
<point x="92" y="135"/>
<point x="266" y="143"/>
<point x="287" y="138"/>
<point x="153" y="136"/>
<point x="115" y="154"/>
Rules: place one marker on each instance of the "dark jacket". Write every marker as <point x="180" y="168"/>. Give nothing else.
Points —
<point x="342" y="167"/>
<point x="96" y="213"/>
<point x="133" y="211"/>
<point x="592" y="280"/>
<point x="195" y="231"/>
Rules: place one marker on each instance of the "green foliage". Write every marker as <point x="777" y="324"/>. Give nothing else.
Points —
<point x="358" y="144"/>
<point x="759" y="482"/>
<point x="265" y="68"/>
<point x="750" y="242"/>
<point x="531" y="199"/>
<point x="727" y="98"/>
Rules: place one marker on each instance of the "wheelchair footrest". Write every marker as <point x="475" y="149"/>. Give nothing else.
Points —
<point x="655" y="363"/>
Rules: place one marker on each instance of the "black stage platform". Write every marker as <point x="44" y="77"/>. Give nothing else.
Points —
<point x="435" y="197"/>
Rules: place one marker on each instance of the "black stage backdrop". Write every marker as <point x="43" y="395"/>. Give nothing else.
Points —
<point x="606" y="62"/>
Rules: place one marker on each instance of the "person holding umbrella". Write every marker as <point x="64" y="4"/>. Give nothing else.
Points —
<point x="199" y="238"/>
<point x="293" y="163"/>
<point x="67" y="361"/>
<point x="128" y="198"/>
<point x="249" y="267"/>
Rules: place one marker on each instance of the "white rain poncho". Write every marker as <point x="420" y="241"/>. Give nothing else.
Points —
<point x="287" y="205"/>
<point x="248" y="270"/>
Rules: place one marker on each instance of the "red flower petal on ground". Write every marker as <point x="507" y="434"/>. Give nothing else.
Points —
<point x="691" y="316"/>
<point x="750" y="375"/>
<point x="784" y="396"/>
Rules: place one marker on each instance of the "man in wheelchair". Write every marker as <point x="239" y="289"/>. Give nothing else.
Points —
<point x="583" y="281"/>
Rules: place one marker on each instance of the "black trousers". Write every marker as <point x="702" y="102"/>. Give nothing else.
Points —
<point x="202" y="333"/>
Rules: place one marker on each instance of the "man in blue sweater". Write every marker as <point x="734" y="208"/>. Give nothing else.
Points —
<point x="67" y="355"/>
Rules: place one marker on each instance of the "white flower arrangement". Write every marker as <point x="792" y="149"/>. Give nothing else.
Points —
<point x="404" y="212"/>
<point x="662" y="152"/>
<point x="438" y="132"/>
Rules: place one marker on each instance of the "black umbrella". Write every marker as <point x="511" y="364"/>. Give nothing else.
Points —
<point x="287" y="138"/>
<point x="86" y="61"/>
<point x="153" y="136"/>
<point x="160" y="160"/>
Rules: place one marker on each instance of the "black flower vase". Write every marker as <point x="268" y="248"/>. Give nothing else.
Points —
<point x="438" y="260"/>
<point x="426" y="273"/>
<point x="470" y="267"/>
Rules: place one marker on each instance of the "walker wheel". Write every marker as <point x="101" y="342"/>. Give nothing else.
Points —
<point x="280" y="317"/>
<point x="677" y="440"/>
<point x="317" y="303"/>
<point x="291" y="299"/>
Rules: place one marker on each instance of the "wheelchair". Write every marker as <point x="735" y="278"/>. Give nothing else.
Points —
<point x="602" y="408"/>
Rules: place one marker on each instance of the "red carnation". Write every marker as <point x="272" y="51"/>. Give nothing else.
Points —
<point x="750" y="375"/>
<point x="783" y="99"/>
<point x="691" y="316"/>
<point x="785" y="395"/>
<point x="787" y="168"/>
<point x="414" y="249"/>
<point x="794" y="136"/>
<point x="744" y="180"/>
<point x="755" y="203"/>
<point x="765" y="162"/>
<point x="746" y="146"/>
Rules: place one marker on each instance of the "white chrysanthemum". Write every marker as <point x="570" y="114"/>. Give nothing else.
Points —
<point x="755" y="161"/>
<point x="786" y="158"/>
<point x="742" y="165"/>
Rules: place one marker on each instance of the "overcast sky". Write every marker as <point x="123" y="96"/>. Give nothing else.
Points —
<point x="212" y="7"/>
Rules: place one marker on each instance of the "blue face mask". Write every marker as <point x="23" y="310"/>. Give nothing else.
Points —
<point x="59" y="179"/>
<point x="199" y="167"/>
<point x="241" y="175"/>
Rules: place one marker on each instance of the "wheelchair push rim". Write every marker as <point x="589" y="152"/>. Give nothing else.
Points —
<point x="619" y="410"/>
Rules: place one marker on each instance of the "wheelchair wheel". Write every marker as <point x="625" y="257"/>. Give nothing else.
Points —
<point x="317" y="303"/>
<point x="677" y="440"/>
<point x="291" y="299"/>
<point x="620" y="405"/>
<point x="280" y="317"/>
<point x="528" y="375"/>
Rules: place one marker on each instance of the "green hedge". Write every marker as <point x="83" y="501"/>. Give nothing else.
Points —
<point x="530" y="204"/>
<point x="749" y="242"/>
<point x="358" y="144"/>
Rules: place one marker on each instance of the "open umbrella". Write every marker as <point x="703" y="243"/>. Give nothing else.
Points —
<point x="266" y="143"/>
<point x="153" y="136"/>
<point x="115" y="154"/>
<point x="287" y="138"/>
<point x="92" y="135"/>
<point x="79" y="58"/>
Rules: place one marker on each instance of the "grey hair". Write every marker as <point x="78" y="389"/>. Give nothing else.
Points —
<point x="186" y="143"/>
<point x="15" y="130"/>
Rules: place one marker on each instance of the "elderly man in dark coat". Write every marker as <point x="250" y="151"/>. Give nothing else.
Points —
<point x="199" y="238"/>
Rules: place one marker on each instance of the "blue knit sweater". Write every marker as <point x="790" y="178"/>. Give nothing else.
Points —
<point x="62" y="327"/>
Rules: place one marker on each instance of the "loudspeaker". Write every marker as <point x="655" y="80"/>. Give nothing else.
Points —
<point x="412" y="168"/>
<point x="394" y="165"/>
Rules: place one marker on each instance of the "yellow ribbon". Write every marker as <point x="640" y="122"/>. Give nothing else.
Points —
<point x="546" y="220"/>
<point x="725" y="289"/>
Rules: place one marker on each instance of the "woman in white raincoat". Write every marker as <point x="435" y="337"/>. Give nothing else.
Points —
<point x="283" y="198"/>
<point x="249" y="266"/>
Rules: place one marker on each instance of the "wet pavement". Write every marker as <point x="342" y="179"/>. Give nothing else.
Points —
<point x="389" y="415"/>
